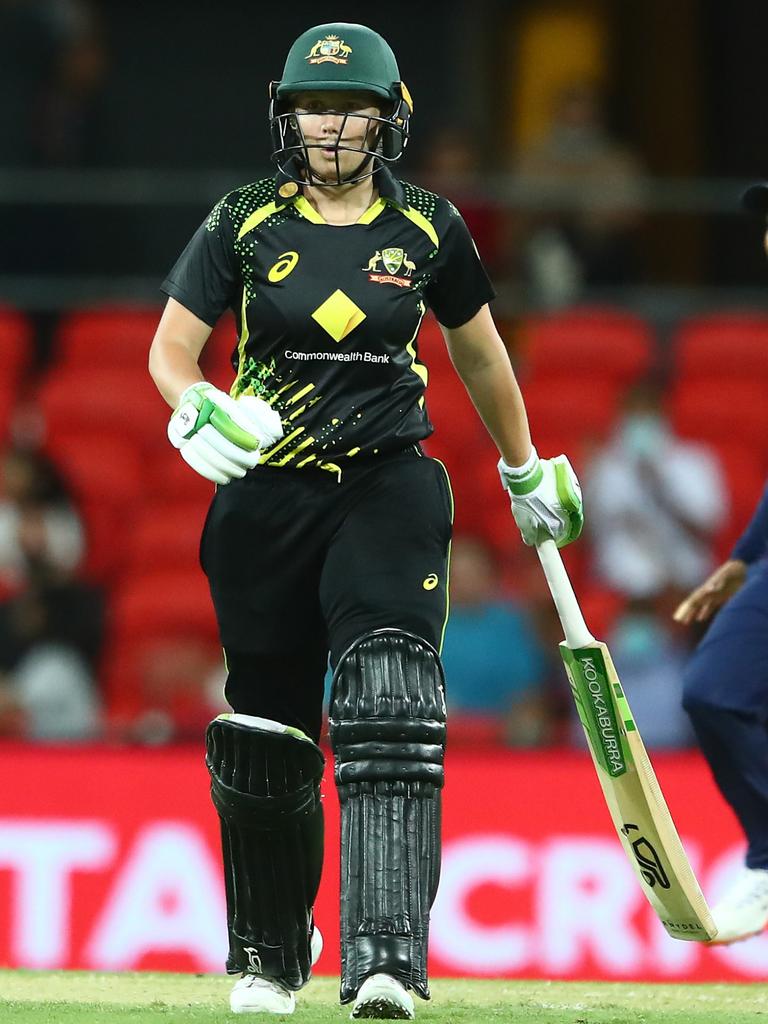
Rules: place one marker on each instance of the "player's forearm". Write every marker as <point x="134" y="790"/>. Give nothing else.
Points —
<point x="481" y="360"/>
<point x="173" y="368"/>
<point x="496" y="396"/>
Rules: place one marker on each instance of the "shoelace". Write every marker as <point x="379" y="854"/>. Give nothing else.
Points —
<point x="254" y="981"/>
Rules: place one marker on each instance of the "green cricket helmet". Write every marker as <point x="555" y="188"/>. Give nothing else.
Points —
<point x="334" y="58"/>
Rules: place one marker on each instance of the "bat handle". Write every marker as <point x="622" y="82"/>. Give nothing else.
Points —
<point x="576" y="632"/>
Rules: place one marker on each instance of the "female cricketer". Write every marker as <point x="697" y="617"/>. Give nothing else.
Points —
<point x="329" y="531"/>
<point x="725" y="693"/>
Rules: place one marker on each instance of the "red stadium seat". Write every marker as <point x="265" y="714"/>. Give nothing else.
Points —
<point x="162" y="602"/>
<point x="729" y="410"/>
<point x="574" y="408"/>
<point x="745" y="477"/>
<point x="722" y="345"/>
<point x="7" y="401"/>
<point x="432" y="349"/>
<point x="93" y="398"/>
<point x="600" y="606"/>
<point x="604" y="342"/>
<point x="105" y="476"/>
<point x="470" y="468"/>
<point x="111" y="337"/>
<point x="578" y="449"/>
<point x="99" y="467"/>
<point x="167" y="536"/>
<point x="452" y="413"/>
<point x="165" y="677"/>
<point x="119" y="337"/>
<point x="159" y="609"/>
<point x="169" y="478"/>
<point x="15" y="347"/>
<point x="105" y="541"/>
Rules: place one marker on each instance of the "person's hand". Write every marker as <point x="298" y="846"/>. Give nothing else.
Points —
<point x="219" y="437"/>
<point x="546" y="499"/>
<point x="713" y="592"/>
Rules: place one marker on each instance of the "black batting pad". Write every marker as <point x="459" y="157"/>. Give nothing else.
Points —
<point x="387" y="726"/>
<point x="265" y="785"/>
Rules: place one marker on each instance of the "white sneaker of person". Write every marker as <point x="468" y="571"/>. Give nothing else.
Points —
<point x="382" y="997"/>
<point x="743" y="910"/>
<point x="254" y="994"/>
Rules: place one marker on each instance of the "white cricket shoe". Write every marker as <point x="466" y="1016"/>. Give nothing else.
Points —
<point x="382" y="997"/>
<point x="743" y="910"/>
<point x="254" y="994"/>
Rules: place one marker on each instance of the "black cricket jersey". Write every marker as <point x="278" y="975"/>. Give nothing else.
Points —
<point x="328" y="316"/>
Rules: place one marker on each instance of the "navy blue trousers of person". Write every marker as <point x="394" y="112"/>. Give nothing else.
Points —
<point x="725" y="692"/>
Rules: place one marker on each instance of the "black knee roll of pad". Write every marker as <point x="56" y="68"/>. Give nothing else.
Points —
<point x="265" y="785"/>
<point x="387" y="726"/>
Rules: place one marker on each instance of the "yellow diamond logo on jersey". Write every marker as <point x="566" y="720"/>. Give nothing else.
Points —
<point x="338" y="315"/>
<point x="329" y="50"/>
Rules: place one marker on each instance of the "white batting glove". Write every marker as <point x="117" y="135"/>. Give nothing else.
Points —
<point x="546" y="499"/>
<point x="219" y="437"/>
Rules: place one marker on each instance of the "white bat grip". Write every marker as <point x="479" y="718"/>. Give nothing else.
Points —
<point x="571" y="619"/>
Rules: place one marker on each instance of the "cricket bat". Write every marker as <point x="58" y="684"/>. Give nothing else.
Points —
<point x="631" y="789"/>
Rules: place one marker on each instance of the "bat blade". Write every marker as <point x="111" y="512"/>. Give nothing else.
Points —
<point x="633" y="795"/>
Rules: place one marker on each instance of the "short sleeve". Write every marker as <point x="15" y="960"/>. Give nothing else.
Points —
<point x="205" y="276"/>
<point x="460" y="285"/>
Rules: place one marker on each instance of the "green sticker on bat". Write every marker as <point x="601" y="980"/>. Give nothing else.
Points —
<point x="592" y="694"/>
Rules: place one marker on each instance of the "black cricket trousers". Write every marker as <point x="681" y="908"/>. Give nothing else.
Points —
<point x="302" y="562"/>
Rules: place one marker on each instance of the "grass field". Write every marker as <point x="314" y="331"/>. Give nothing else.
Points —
<point x="31" y="997"/>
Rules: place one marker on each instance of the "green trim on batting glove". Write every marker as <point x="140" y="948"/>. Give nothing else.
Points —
<point x="209" y="411"/>
<point x="525" y="482"/>
<point x="571" y="501"/>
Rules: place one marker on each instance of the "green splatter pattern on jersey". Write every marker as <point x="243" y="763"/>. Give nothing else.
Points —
<point x="254" y="378"/>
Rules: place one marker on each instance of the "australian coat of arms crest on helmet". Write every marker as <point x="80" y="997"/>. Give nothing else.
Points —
<point x="329" y="50"/>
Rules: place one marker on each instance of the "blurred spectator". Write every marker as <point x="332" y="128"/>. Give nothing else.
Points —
<point x="588" y="187"/>
<point x="180" y="682"/>
<point x="39" y="528"/>
<point x="49" y="696"/>
<point x="452" y="169"/>
<point x="493" y="663"/>
<point x="649" y="659"/>
<point x="653" y="503"/>
<point x="50" y="634"/>
<point x="51" y="625"/>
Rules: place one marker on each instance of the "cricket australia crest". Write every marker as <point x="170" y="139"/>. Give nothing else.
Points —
<point x="393" y="259"/>
<point x="330" y="50"/>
